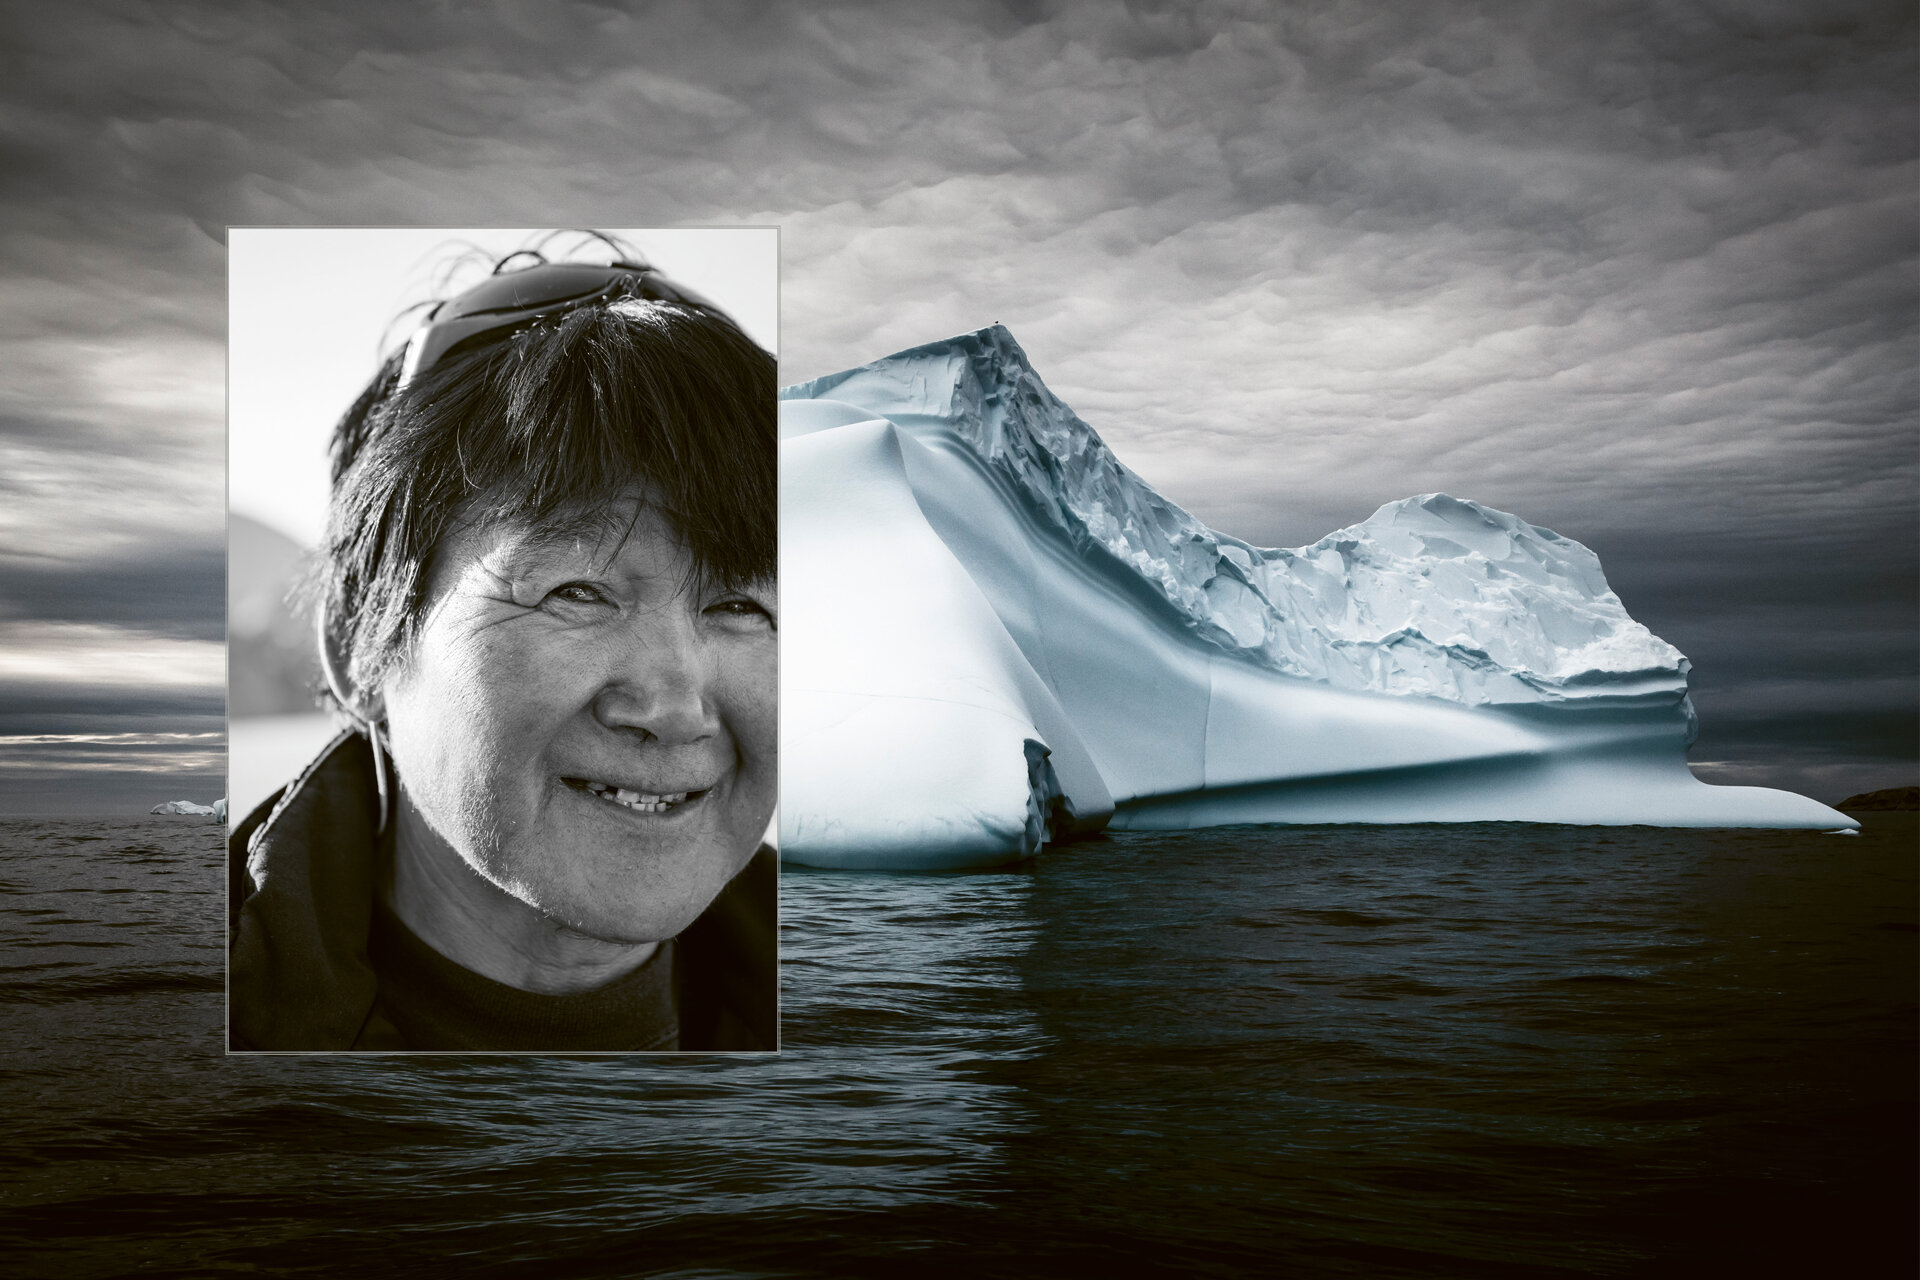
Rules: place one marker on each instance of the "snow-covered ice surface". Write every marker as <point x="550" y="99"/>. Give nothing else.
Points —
<point x="994" y="634"/>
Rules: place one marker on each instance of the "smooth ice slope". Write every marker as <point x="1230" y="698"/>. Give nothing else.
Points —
<point x="995" y="634"/>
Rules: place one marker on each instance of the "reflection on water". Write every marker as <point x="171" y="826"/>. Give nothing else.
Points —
<point x="1492" y="1050"/>
<point x="1447" y="1050"/>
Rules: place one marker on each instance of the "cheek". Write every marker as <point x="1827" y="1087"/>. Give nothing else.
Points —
<point x="751" y="707"/>
<point x="469" y="712"/>
<point x="750" y="696"/>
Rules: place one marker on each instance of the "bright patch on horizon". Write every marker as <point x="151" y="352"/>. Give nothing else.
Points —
<point x="88" y="653"/>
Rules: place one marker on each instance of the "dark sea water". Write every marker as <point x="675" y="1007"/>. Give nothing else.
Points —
<point x="1480" y="1051"/>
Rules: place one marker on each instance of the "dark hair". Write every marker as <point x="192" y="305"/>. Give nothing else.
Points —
<point x="550" y="423"/>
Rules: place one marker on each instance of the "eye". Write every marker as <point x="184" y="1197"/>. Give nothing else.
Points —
<point x="577" y="593"/>
<point x="740" y="611"/>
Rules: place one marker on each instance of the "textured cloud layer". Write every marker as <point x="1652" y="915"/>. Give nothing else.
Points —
<point x="1642" y="273"/>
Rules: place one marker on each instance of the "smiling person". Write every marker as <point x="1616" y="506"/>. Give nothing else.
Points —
<point x="549" y="618"/>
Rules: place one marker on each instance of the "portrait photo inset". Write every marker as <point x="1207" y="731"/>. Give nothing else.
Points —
<point x="503" y="641"/>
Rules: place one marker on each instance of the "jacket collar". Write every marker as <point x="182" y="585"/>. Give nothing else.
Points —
<point x="300" y="906"/>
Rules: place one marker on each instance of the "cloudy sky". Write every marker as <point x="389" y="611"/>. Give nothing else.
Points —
<point x="1642" y="273"/>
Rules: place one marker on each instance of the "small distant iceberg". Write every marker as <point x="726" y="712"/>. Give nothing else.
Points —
<point x="191" y="809"/>
<point x="996" y="635"/>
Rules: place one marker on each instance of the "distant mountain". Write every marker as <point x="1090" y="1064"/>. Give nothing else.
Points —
<point x="271" y="665"/>
<point x="1889" y="798"/>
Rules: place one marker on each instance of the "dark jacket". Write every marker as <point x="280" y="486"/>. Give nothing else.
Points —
<point x="300" y="896"/>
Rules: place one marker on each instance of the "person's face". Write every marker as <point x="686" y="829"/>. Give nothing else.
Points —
<point x="586" y="730"/>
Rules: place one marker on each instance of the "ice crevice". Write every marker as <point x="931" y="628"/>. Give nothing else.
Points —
<point x="995" y="635"/>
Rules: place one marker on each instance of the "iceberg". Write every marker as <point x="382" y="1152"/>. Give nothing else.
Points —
<point x="995" y="635"/>
<point x="184" y="807"/>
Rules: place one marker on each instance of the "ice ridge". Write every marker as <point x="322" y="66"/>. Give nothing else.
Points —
<point x="1430" y="596"/>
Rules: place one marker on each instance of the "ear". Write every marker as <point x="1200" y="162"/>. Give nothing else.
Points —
<point x="368" y="709"/>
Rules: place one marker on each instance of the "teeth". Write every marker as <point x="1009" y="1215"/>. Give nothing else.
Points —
<point x="638" y="801"/>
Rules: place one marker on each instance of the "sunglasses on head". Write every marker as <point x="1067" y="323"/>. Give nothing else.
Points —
<point x="512" y="299"/>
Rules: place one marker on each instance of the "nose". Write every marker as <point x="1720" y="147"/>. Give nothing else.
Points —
<point x="657" y="685"/>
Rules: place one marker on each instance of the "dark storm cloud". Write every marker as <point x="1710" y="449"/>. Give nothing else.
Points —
<point x="1641" y="272"/>
<point x="50" y="757"/>
<point x="178" y="592"/>
<point x="78" y="749"/>
<point x="52" y="708"/>
<point x="1805" y="662"/>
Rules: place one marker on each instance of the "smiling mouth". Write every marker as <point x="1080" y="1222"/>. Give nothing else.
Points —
<point x="637" y="801"/>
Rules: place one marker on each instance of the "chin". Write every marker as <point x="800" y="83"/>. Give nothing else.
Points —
<point x="643" y="903"/>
